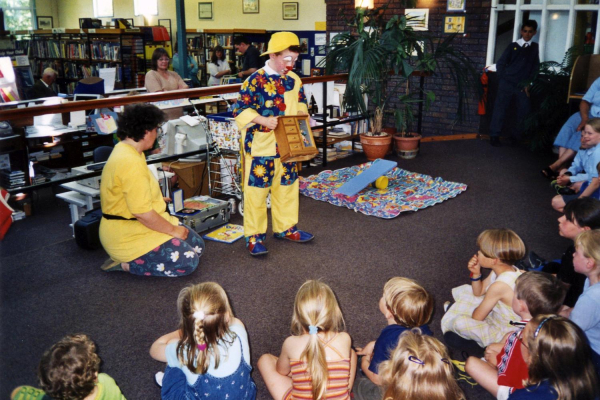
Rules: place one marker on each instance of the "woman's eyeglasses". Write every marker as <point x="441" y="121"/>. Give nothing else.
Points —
<point x="164" y="59"/>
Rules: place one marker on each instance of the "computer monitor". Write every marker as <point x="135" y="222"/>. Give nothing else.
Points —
<point x="83" y="97"/>
<point x="182" y="138"/>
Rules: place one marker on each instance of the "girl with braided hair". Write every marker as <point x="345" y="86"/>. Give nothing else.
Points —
<point x="209" y="353"/>
<point x="317" y="361"/>
<point x="419" y="368"/>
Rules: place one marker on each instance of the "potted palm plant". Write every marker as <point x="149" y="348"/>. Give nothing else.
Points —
<point x="406" y="141"/>
<point x="380" y="56"/>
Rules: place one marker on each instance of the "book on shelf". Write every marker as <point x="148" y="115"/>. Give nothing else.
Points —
<point x="106" y="51"/>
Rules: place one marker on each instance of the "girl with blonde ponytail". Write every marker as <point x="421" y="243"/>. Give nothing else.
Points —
<point x="317" y="361"/>
<point x="209" y="353"/>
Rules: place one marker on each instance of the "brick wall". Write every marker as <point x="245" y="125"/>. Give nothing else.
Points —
<point x="440" y="118"/>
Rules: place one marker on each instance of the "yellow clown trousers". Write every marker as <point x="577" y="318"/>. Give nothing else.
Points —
<point x="284" y="202"/>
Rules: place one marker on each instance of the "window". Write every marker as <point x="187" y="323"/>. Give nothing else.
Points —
<point x="562" y="24"/>
<point x="18" y="14"/>
<point x="145" y="7"/>
<point x="103" y="8"/>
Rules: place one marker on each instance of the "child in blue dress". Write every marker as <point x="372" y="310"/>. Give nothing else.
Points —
<point x="209" y="353"/>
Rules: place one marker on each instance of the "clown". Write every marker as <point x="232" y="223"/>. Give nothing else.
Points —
<point x="267" y="94"/>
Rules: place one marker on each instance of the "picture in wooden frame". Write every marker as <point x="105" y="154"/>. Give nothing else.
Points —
<point x="456" y="5"/>
<point x="315" y="72"/>
<point x="250" y="6"/>
<point x="205" y="10"/>
<point x="455" y="23"/>
<point x="290" y="10"/>
<point x="45" y="22"/>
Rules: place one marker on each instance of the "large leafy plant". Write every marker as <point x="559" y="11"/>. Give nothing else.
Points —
<point x="380" y="55"/>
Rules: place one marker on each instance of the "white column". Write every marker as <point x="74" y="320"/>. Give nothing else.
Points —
<point x="491" y="47"/>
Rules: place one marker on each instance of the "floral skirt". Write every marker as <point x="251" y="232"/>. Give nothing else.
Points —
<point x="173" y="258"/>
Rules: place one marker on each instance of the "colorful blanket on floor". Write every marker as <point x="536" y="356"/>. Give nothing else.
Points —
<point x="406" y="191"/>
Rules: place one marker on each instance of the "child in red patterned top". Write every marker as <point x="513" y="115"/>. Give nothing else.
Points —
<point x="317" y="361"/>
<point x="505" y="365"/>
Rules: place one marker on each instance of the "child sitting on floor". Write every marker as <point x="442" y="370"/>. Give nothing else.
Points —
<point x="586" y="313"/>
<point x="209" y="353"/>
<point x="580" y="215"/>
<point x="405" y="305"/>
<point x="584" y="168"/>
<point x="419" y="368"/>
<point x="70" y="370"/>
<point x="505" y="367"/>
<point x="483" y="310"/>
<point x="317" y="361"/>
<point x="559" y="364"/>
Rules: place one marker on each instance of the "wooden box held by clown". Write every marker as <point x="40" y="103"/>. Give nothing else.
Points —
<point x="295" y="139"/>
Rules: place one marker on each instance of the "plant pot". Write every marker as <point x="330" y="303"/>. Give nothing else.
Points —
<point x="407" y="147"/>
<point x="375" y="147"/>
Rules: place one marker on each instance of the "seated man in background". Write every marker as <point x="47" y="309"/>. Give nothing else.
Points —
<point x="43" y="87"/>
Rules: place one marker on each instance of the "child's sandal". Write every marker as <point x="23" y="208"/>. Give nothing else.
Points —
<point x="28" y="393"/>
<point x="549" y="173"/>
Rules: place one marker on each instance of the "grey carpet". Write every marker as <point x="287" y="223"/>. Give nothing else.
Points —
<point x="50" y="287"/>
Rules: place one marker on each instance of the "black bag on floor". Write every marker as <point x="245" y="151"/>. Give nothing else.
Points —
<point x="87" y="230"/>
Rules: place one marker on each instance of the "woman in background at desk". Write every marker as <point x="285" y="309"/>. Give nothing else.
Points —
<point x="218" y="66"/>
<point x="136" y="231"/>
<point x="160" y="79"/>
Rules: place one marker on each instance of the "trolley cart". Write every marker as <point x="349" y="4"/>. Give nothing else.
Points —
<point x="227" y="160"/>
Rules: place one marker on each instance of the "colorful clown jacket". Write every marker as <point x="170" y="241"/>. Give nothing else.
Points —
<point x="267" y="95"/>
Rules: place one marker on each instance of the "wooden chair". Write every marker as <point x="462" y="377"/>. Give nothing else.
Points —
<point x="585" y="71"/>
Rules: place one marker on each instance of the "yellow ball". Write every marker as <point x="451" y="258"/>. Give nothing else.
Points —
<point x="381" y="182"/>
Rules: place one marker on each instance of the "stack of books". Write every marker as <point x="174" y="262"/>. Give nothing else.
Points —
<point x="12" y="179"/>
<point x="344" y="149"/>
<point x="17" y="215"/>
<point x="331" y="156"/>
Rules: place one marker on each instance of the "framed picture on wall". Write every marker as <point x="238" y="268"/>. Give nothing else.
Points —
<point x="205" y="10"/>
<point x="418" y="18"/>
<point x="290" y="10"/>
<point x="45" y="22"/>
<point x="304" y="43"/>
<point x="455" y="23"/>
<point x="456" y="5"/>
<point x="250" y="6"/>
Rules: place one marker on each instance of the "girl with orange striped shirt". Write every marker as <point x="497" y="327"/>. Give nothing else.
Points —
<point x="317" y="361"/>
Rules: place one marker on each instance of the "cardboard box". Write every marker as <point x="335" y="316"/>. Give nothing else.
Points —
<point x="190" y="176"/>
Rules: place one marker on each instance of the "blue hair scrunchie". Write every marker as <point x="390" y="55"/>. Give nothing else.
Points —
<point x="312" y="330"/>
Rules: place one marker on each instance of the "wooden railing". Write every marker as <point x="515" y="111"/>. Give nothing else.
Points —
<point x="23" y="116"/>
<point x="22" y="113"/>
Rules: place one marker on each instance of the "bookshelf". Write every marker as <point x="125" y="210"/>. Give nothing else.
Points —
<point x="202" y="44"/>
<point x="80" y="53"/>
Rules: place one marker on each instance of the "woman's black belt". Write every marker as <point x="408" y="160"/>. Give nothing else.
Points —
<point x="110" y="216"/>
